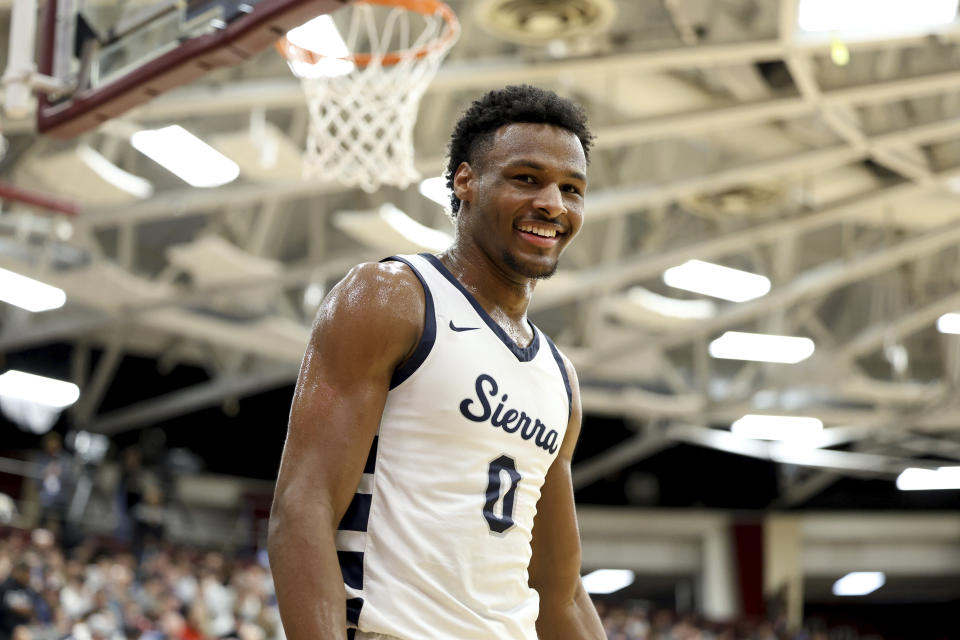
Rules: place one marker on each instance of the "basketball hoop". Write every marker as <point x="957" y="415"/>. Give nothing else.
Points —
<point x="363" y="91"/>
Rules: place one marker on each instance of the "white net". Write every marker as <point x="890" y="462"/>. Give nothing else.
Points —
<point x="362" y="113"/>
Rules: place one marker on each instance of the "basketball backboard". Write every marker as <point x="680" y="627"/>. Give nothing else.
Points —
<point x="113" y="57"/>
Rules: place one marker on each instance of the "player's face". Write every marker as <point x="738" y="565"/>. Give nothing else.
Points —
<point x="528" y="197"/>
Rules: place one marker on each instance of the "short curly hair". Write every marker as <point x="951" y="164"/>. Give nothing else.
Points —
<point x="474" y="131"/>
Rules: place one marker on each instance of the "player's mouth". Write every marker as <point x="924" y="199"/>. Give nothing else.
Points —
<point x="539" y="235"/>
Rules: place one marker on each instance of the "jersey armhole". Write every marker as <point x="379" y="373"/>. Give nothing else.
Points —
<point x="427" y="338"/>
<point x="563" y="374"/>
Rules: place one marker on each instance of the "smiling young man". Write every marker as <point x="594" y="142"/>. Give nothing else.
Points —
<point x="425" y="490"/>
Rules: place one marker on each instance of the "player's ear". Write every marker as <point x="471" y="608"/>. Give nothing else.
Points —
<point x="464" y="182"/>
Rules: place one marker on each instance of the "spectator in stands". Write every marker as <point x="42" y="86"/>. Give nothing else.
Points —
<point x="129" y="490"/>
<point x="17" y="600"/>
<point x="149" y="521"/>
<point x="56" y="483"/>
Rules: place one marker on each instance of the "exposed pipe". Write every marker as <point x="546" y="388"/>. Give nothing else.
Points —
<point x="38" y="199"/>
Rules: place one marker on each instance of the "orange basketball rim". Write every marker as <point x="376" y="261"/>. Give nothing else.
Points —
<point x="297" y="53"/>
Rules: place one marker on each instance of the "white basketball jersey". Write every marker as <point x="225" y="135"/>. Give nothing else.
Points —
<point x="436" y="543"/>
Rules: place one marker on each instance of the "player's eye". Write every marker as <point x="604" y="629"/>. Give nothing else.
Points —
<point x="526" y="177"/>
<point x="570" y="188"/>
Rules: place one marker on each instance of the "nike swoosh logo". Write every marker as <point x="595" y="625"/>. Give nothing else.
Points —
<point x="456" y="328"/>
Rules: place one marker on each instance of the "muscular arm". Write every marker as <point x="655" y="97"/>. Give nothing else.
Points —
<point x="369" y="324"/>
<point x="566" y="611"/>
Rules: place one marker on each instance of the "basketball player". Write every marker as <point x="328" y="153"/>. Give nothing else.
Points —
<point x="427" y="464"/>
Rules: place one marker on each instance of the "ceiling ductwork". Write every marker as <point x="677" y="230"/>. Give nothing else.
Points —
<point x="542" y="21"/>
<point x="758" y="200"/>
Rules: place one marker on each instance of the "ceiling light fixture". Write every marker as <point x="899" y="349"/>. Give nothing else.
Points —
<point x="413" y="231"/>
<point x="949" y="323"/>
<point x="717" y="281"/>
<point x="186" y="156"/>
<point x="608" y="580"/>
<point x="28" y="293"/>
<point x="436" y="189"/>
<point x="44" y="391"/>
<point x="321" y="36"/>
<point x="874" y="16"/>
<point x="114" y="175"/>
<point x="785" y="428"/>
<point x="758" y="347"/>
<point x="916" y="479"/>
<point x="859" y="583"/>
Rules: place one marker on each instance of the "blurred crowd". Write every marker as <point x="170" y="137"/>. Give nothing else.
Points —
<point x="641" y="622"/>
<point x="88" y="592"/>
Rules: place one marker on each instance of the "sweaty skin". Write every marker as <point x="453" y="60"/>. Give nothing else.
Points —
<point x="532" y="178"/>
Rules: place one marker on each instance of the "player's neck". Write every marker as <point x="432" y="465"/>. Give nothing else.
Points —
<point x="497" y="290"/>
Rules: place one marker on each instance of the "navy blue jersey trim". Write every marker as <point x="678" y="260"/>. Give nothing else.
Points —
<point x="429" y="336"/>
<point x="351" y="566"/>
<point x="371" y="464"/>
<point x="354" y="605"/>
<point x="563" y="372"/>
<point x="523" y="354"/>
<point x="351" y="634"/>
<point x="357" y="514"/>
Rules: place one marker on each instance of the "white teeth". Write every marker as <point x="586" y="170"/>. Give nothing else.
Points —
<point x="537" y="231"/>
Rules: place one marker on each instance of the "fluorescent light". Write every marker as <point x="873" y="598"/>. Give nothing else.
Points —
<point x="413" y="231"/>
<point x="607" y="580"/>
<point x="28" y="293"/>
<point x="789" y="428"/>
<point x="320" y="35"/>
<point x="436" y="189"/>
<point x="736" y="345"/>
<point x="949" y="323"/>
<point x="915" y="479"/>
<point x="185" y="155"/>
<point x="859" y="583"/>
<point x="874" y="16"/>
<point x="111" y="173"/>
<point x="686" y="309"/>
<point x="38" y="389"/>
<point x="717" y="281"/>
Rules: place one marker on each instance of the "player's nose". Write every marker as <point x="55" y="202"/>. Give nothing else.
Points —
<point x="549" y="200"/>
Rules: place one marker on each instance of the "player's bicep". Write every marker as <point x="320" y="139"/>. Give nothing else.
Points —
<point x="367" y="325"/>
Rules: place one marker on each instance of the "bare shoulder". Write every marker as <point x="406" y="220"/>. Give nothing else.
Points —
<point x="379" y="303"/>
<point x="376" y="288"/>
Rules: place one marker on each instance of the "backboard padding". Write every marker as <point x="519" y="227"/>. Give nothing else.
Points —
<point x="237" y="41"/>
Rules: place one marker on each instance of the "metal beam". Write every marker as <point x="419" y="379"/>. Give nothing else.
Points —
<point x="822" y="280"/>
<point x="802" y="491"/>
<point x="801" y="66"/>
<point x="600" y="400"/>
<point x="70" y="323"/>
<point x="193" y="398"/>
<point x="207" y="100"/>
<point x="875" y="336"/>
<point x="82" y="322"/>
<point x="617" y="457"/>
<point x="93" y="392"/>
<point x="607" y="278"/>
<point x="601" y="204"/>
<point x="866" y="464"/>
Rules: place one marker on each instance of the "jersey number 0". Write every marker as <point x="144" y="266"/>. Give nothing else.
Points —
<point x="500" y="523"/>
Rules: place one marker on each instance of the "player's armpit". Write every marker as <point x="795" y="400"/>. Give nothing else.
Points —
<point x="367" y="326"/>
<point x="566" y="612"/>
